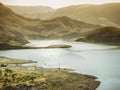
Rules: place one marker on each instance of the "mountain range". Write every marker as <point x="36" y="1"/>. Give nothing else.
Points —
<point x="35" y="12"/>
<point x="15" y="28"/>
<point x="60" y="27"/>
<point x="105" y="14"/>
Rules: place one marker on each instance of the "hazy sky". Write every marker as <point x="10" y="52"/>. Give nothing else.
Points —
<point x="55" y="3"/>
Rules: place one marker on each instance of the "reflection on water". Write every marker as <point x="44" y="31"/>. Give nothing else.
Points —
<point x="99" y="60"/>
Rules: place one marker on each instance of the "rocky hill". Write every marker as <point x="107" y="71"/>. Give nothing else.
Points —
<point x="107" y="35"/>
<point x="6" y="36"/>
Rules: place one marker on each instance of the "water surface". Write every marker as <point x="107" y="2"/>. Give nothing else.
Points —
<point x="102" y="61"/>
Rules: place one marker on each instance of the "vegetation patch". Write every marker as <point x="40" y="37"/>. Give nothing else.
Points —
<point x="46" y="79"/>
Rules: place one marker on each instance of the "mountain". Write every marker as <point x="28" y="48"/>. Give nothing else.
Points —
<point x="60" y="27"/>
<point x="36" y="12"/>
<point x="14" y="23"/>
<point x="104" y="14"/>
<point x="64" y="28"/>
<point x="91" y="13"/>
<point x="18" y="29"/>
<point x="5" y="35"/>
<point x="107" y="35"/>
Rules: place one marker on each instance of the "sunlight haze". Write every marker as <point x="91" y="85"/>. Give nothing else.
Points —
<point x="54" y="3"/>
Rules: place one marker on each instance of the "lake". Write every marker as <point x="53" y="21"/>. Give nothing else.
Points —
<point x="102" y="61"/>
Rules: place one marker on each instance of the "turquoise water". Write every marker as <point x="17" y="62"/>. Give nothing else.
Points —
<point x="102" y="61"/>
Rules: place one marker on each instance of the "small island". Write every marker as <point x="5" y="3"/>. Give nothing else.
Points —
<point x="59" y="46"/>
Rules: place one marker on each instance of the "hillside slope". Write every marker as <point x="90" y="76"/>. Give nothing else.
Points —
<point x="107" y="35"/>
<point x="105" y="14"/>
<point x="5" y="35"/>
<point x="94" y="14"/>
<point x="36" y="12"/>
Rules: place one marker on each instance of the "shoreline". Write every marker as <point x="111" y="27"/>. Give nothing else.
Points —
<point x="5" y="46"/>
<point x="46" y="79"/>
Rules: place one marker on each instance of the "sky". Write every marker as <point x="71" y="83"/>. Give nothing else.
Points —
<point x="54" y="3"/>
